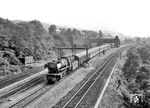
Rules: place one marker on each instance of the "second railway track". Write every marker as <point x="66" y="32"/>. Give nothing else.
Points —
<point x="92" y="87"/>
<point x="23" y="87"/>
<point x="6" y="82"/>
<point x="81" y="93"/>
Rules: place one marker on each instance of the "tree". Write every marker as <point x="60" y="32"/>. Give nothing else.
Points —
<point x="131" y="65"/>
<point x="117" y="41"/>
<point x="4" y="44"/>
<point x="100" y="33"/>
<point x="144" y="54"/>
<point x="57" y="36"/>
<point x="52" y="29"/>
<point x="138" y="39"/>
<point x="139" y="83"/>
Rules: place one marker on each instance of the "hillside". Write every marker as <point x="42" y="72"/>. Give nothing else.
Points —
<point x="106" y="33"/>
<point x="21" y="38"/>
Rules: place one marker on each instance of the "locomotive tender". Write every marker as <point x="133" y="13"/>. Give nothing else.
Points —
<point x="57" y="69"/>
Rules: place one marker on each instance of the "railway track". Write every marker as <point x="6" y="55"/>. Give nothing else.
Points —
<point x="77" y="98"/>
<point x="36" y="94"/>
<point x="92" y="87"/>
<point x="23" y="87"/>
<point x="10" y="80"/>
<point x="31" y="97"/>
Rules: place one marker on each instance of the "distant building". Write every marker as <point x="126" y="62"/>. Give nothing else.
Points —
<point x="101" y="41"/>
<point x="26" y="60"/>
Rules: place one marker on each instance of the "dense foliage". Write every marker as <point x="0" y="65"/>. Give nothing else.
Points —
<point x="22" y="39"/>
<point x="137" y="77"/>
<point x="144" y="52"/>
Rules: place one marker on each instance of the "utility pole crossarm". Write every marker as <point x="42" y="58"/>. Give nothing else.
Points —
<point x="73" y="48"/>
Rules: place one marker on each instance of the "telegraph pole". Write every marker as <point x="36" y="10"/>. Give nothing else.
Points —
<point x="120" y="55"/>
<point x="99" y="50"/>
<point x="86" y="53"/>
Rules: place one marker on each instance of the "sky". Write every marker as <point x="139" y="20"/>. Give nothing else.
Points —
<point x="130" y="17"/>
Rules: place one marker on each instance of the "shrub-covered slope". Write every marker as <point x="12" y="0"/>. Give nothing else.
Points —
<point x="21" y="38"/>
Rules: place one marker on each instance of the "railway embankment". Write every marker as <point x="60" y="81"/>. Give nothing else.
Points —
<point x="110" y="97"/>
<point x="129" y="84"/>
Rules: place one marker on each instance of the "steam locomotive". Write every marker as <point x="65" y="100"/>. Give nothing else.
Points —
<point x="57" y="69"/>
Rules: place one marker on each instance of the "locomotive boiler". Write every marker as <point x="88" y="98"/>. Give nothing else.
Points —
<point x="58" y="69"/>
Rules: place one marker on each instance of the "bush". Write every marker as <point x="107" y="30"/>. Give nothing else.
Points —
<point x="52" y="29"/>
<point x="144" y="54"/>
<point x="138" y="80"/>
<point x="131" y="65"/>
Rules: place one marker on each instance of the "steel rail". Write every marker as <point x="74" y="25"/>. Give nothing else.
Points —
<point x="104" y="67"/>
<point x="77" y="94"/>
<point x="6" y="82"/>
<point x="22" y="87"/>
<point x="92" y="85"/>
<point x="32" y="96"/>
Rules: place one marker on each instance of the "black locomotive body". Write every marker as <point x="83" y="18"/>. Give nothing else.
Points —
<point x="58" y="69"/>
